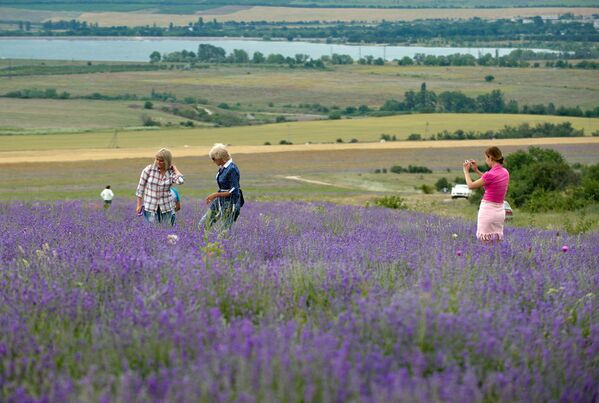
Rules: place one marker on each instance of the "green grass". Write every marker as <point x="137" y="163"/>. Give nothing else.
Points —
<point x="15" y="68"/>
<point x="30" y="115"/>
<point x="254" y="88"/>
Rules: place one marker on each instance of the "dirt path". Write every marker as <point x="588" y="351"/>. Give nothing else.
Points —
<point x="300" y="179"/>
<point x="62" y="155"/>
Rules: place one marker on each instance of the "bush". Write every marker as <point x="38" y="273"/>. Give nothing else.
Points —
<point x="147" y="120"/>
<point x="537" y="169"/>
<point x="227" y="119"/>
<point x="414" y="137"/>
<point x="415" y="169"/>
<point x="394" y="202"/>
<point x="489" y="78"/>
<point x="589" y="186"/>
<point x="285" y="142"/>
<point x="542" y="201"/>
<point x="441" y="184"/>
<point x="339" y="140"/>
<point x="148" y="105"/>
<point x="223" y="105"/>
<point x="388" y="137"/>
<point x="426" y="189"/>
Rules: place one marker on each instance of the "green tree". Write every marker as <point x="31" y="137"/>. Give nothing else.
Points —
<point x="155" y="57"/>
<point x="210" y="53"/>
<point x="589" y="186"/>
<point x="492" y="102"/>
<point x="537" y="170"/>
<point x="441" y="184"/>
<point x="258" y="58"/>
<point x="405" y="61"/>
<point x="456" y="101"/>
<point x="239" y="56"/>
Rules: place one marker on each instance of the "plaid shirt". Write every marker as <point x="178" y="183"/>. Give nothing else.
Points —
<point x="156" y="189"/>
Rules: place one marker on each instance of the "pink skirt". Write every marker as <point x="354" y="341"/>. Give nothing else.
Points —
<point x="490" y="221"/>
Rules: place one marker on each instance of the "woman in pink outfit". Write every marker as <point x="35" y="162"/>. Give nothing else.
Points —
<point x="495" y="181"/>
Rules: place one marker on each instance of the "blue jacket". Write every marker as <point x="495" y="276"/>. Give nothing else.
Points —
<point x="227" y="180"/>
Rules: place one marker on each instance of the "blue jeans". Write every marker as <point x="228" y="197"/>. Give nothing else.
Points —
<point x="159" y="217"/>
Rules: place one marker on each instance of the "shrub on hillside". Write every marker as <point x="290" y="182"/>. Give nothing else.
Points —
<point x="394" y="202"/>
<point x="441" y="184"/>
<point x="147" y="120"/>
<point x="426" y="189"/>
<point x="412" y="169"/>
<point x="538" y="169"/>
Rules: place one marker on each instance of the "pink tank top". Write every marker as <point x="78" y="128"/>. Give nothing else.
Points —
<point x="496" y="182"/>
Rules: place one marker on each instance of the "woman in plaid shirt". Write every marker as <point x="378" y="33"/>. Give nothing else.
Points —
<point x="154" y="189"/>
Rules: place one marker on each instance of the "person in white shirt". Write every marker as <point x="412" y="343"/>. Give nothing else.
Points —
<point x="107" y="195"/>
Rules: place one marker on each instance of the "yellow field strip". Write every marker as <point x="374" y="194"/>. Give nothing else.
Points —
<point x="292" y="14"/>
<point x="12" y="157"/>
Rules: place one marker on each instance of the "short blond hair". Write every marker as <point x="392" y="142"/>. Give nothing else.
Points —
<point x="219" y="152"/>
<point x="167" y="156"/>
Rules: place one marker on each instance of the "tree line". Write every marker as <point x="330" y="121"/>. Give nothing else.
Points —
<point x="517" y="58"/>
<point x="213" y="54"/>
<point x="428" y="101"/>
<point x="525" y="130"/>
<point x="454" y="31"/>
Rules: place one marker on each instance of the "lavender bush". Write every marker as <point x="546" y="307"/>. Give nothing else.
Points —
<point x="299" y="302"/>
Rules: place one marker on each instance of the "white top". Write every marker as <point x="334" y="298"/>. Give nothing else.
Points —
<point x="107" y="194"/>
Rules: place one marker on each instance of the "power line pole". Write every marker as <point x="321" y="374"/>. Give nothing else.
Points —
<point x="114" y="142"/>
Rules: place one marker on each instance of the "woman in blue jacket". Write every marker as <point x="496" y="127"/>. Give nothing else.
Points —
<point x="226" y="203"/>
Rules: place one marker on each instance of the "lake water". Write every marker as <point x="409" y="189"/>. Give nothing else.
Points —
<point x="139" y="49"/>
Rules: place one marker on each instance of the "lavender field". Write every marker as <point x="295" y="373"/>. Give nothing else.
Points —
<point x="298" y="303"/>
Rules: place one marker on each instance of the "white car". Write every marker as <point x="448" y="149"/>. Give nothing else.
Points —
<point x="460" y="191"/>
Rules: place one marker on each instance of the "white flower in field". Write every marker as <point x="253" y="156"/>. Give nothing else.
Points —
<point x="454" y="236"/>
<point x="172" y="238"/>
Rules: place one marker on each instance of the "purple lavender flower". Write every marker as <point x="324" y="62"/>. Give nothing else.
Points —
<point x="299" y="301"/>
